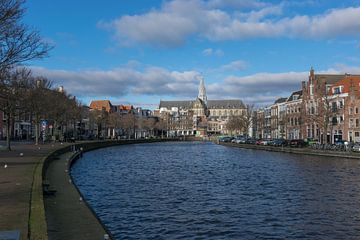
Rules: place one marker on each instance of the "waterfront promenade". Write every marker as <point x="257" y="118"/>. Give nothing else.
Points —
<point x="16" y="182"/>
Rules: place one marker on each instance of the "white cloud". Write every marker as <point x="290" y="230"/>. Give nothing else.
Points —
<point x="211" y="52"/>
<point x="235" y="66"/>
<point x="122" y="81"/>
<point x="261" y="88"/>
<point x="177" y="20"/>
<point x="236" y="4"/>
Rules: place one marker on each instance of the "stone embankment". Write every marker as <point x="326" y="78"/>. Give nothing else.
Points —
<point x="26" y="171"/>
<point x="68" y="215"/>
<point x="305" y="150"/>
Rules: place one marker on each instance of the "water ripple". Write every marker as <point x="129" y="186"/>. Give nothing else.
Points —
<point x="193" y="190"/>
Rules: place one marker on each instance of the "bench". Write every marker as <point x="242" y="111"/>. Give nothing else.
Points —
<point x="46" y="189"/>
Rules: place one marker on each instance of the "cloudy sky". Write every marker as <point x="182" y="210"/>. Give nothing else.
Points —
<point x="139" y="52"/>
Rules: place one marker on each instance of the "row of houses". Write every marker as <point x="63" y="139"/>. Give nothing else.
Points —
<point x="326" y="109"/>
<point x="93" y="122"/>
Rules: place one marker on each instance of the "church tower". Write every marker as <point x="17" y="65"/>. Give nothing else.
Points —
<point x="202" y="91"/>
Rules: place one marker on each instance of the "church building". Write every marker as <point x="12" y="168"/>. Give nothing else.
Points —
<point x="200" y="117"/>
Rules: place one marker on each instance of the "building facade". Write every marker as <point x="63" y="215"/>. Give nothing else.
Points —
<point x="209" y="116"/>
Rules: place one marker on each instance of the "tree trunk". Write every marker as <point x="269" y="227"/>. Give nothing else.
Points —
<point x="8" y="131"/>
<point x="36" y="133"/>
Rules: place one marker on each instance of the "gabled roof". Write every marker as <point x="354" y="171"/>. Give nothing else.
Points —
<point x="125" y="107"/>
<point x="280" y="100"/>
<point x="101" y="105"/>
<point x="232" y="103"/>
<point x="293" y="94"/>
<point x="331" y="78"/>
<point x="178" y="104"/>
<point x="351" y="81"/>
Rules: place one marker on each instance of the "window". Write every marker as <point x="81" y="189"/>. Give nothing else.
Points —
<point x="357" y="134"/>
<point x="334" y="120"/>
<point x="356" y="110"/>
<point x="312" y="110"/>
<point x="350" y="111"/>
<point x="341" y="104"/>
<point x="356" y="122"/>
<point x="351" y="122"/>
<point x="337" y="90"/>
<point x="333" y="107"/>
<point x="341" y="118"/>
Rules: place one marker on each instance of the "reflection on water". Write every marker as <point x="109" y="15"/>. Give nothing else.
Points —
<point x="194" y="190"/>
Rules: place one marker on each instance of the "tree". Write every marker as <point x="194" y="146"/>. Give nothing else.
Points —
<point x="114" y="121"/>
<point x="128" y="122"/>
<point x="246" y="119"/>
<point x="18" y="42"/>
<point x="233" y="124"/>
<point x="13" y="91"/>
<point x="38" y="100"/>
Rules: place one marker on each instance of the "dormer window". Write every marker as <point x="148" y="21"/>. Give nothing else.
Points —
<point x="337" y="90"/>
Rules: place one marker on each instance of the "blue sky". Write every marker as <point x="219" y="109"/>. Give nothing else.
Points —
<point x="139" y="52"/>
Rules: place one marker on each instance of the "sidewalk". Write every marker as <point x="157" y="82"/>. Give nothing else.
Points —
<point x="67" y="216"/>
<point x="15" y="184"/>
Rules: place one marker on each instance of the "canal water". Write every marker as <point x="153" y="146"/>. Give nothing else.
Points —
<point x="199" y="190"/>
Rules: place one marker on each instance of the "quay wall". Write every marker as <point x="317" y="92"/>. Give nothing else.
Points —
<point x="37" y="217"/>
<point x="303" y="151"/>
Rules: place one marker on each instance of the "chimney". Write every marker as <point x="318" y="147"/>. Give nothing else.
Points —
<point x="61" y="89"/>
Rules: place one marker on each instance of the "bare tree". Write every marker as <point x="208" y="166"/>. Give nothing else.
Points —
<point x="13" y="90"/>
<point x="18" y="42"/>
<point x="246" y="119"/>
<point x="128" y="122"/>
<point x="38" y="101"/>
<point x="114" y="121"/>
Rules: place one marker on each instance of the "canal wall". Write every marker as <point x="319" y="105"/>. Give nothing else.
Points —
<point x="37" y="217"/>
<point x="303" y="151"/>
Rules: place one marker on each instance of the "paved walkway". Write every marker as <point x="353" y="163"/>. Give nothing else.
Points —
<point x="67" y="216"/>
<point x="15" y="184"/>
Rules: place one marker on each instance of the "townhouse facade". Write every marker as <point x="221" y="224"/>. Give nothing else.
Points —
<point x="326" y="109"/>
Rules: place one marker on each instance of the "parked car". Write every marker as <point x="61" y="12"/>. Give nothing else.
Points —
<point x="241" y="140"/>
<point x="225" y="139"/>
<point x="250" y="141"/>
<point x="279" y="142"/>
<point x="311" y="141"/>
<point x="356" y="147"/>
<point x="263" y="142"/>
<point x="297" y="143"/>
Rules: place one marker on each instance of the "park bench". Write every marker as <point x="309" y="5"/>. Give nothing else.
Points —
<point x="47" y="191"/>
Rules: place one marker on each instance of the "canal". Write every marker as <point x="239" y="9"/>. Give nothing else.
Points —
<point x="199" y="190"/>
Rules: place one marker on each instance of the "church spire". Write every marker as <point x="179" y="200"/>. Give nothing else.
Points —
<point x="202" y="91"/>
